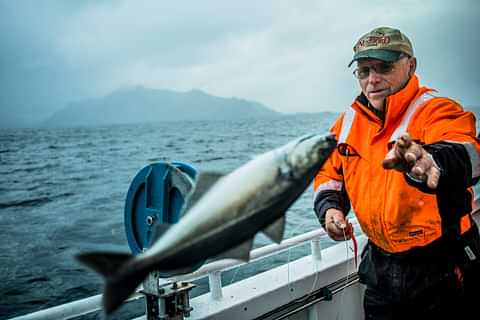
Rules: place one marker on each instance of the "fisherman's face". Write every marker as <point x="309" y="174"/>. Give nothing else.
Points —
<point x="379" y="79"/>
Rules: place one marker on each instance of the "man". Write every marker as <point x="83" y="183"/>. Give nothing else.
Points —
<point x="405" y="162"/>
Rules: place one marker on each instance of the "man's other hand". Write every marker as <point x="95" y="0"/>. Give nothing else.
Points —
<point x="336" y="226"/>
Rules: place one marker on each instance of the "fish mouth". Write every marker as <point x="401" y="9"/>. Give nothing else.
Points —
<point x="306" y="152"/>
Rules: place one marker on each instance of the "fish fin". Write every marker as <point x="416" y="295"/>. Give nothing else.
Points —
<point x="180" y="271"/>
<point x="204" y="182"/>
<point x="105" y="263"/>
<point x="275" y="230"/>
<point x="240" y="252"/>
<point x="158" y="230"/>
<point x="120" y="282"/>
<point x="118" y="289"/>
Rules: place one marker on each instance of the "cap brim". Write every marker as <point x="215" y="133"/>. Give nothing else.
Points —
<point x="379" y="54"/>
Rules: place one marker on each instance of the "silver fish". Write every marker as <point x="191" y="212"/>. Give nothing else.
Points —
<point x="223" y="221"/>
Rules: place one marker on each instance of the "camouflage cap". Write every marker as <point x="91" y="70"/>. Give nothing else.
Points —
<point x="383" y="43"/>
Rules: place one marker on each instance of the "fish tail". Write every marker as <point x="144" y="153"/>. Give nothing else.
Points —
<point x="121" y="273"/>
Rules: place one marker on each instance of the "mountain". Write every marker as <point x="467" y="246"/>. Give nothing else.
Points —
<point x="139" y="104"/>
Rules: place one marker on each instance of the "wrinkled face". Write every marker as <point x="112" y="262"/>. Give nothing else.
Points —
<point x="384" y="79"/>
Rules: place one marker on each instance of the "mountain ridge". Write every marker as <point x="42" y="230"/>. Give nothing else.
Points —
<point x="139" y="104"/>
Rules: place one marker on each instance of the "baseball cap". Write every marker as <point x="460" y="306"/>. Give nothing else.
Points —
<point x="383" y="43"/>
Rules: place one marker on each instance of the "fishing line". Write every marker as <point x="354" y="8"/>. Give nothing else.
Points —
<point x="314" y="284"/>
<point x="342" y="296"/>
<point x="235" y="274"/>
<point x="288" y="259"/>
<point x="347" y="276"/>
<point x="288" y="266"/>
<point x="297" y="227"/>
<point x="288" y="275"/>
<point x="315" y="266"/>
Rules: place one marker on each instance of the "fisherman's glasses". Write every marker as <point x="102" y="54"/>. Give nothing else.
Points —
<point x="382" y="68"/>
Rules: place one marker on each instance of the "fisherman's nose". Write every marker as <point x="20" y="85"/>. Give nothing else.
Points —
<point x="373" y="76"/>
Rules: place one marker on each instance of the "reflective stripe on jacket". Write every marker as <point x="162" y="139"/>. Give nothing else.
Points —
<point x="395" y="215"/>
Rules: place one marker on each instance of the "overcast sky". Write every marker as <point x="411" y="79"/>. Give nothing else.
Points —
<point x="289" y="55"/>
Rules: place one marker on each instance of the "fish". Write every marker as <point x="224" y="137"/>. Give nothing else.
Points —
<point x="222" y="217"/>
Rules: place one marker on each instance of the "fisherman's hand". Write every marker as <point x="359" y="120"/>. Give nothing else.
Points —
<point x="336" y="226"/>
<point x="410" y="157"/>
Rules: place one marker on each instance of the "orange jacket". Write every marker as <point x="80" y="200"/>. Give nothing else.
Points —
<point x="395" y="215"/>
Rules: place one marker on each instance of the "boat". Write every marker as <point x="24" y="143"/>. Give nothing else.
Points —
<point x="321" y="285"/>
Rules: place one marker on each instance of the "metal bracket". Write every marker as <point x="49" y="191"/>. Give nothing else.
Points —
<point x="170" y="301"/>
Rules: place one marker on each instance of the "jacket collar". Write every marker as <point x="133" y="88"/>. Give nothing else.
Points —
<point x="395" y="105"/>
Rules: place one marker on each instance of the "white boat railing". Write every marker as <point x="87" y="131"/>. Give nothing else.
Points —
<point x="211" y="270"/>
<point x="215" y="269"/>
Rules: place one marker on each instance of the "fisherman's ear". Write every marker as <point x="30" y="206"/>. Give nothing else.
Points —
<point x="413" y="66"/>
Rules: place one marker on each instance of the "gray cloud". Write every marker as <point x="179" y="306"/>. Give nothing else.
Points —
<point x="292" y="56"/>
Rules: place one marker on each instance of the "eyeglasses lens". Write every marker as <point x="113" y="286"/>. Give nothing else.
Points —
<point x="379" y="68"/>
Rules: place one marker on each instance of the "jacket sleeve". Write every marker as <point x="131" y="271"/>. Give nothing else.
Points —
<point x="329" y="189"/>
<point x="449" y="134"/>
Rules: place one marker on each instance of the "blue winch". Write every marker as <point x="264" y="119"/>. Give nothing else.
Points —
<point x="156" y="196"/>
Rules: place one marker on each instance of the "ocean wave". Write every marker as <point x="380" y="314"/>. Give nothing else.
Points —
<point x="33" y="168"/>
<point x="208" y="159"/>
<point x="33" y="202"/>
<point x="7" y="150"/>
<point x="38" y="279"/>
<point x="14" y="292"/>
<point x="160" y="159"/>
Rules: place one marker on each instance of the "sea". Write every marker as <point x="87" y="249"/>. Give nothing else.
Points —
<point x="63" y="191"/>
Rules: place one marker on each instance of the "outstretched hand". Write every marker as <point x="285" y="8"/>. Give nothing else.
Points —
<point x="410" y="157"/>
